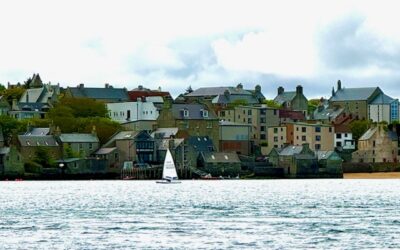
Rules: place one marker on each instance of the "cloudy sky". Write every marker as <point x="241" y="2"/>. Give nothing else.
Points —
<point x="174" y="44"/>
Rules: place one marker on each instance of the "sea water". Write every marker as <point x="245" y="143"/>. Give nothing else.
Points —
<point x="223" y="214"/>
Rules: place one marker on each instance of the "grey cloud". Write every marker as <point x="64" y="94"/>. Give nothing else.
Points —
<point x="345" y="45"/>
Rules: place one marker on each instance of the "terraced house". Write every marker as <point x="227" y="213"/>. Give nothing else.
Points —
<point x="191" y="120"/>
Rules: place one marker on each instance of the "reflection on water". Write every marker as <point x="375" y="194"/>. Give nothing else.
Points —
<point x="200" y="214"/>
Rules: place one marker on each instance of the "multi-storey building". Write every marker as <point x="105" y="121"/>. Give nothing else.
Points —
<point x="377" y="145"/>
<point x="191" y="120"/>
<point x="318" y="136"/>
<point x="355" y="100"/>
<point x="260" y="117"/>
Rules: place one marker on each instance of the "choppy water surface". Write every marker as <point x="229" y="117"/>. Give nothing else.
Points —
<point x="348" y="214"/>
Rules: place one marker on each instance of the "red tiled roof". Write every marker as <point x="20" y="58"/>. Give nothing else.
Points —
<point x="294" y="115"/>
<point x="135" y="94"/>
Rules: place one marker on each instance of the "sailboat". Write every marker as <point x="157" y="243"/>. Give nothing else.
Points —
<point x="169" y="175"/>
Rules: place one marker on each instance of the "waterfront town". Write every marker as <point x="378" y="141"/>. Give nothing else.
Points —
<point x="105" y="132"/>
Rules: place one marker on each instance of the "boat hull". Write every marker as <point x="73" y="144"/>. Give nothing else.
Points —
<point x="168" y="182"/>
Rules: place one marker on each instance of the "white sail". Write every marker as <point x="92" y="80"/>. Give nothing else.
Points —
<point x="169" y="170"/>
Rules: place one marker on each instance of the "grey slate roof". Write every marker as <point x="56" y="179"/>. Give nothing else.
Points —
<point x="323" y="155"/>
<point x="353" y="94"/>
<point x="38" y="131"/>
<point x="284" y="97"/>
<point x="75" y="137"/>
<point x="34" y="141"/>
<point x="201" y="143"/>
<point x="327" y="113"/>
<point x="220" y="157"/>
<point x="367" y="135"/>
<point x="123" y="135"/>
<point x="222" y="99"/>
<point x="110" y="93"/>
<point x="164" y="132"/>
<point x="32" y="106"/>
<point x="291" y="150"/>
<point x="382" y="99"/>
<point x="105" y="151"/>
<point x="194" y="111"/>
<point x="164" y="143"/>
<point x="214" y="91"/>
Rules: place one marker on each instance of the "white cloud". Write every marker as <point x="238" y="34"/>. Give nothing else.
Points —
<point x="129" y="42"/>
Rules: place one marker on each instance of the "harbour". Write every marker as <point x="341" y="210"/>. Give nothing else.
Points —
<point x="234" y="214"/>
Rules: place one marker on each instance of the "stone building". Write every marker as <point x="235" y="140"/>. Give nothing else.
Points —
<point x="377" y="145"/>
<point x="292" y="100"/>
<point x="317" y="136"/>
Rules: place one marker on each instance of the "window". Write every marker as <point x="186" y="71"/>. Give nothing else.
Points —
<point x="318" y="138"/>
<point x="222" y="113"/>
<point x="275" y="111"/>
<point x="303" y="129"/>
<point x="317" y="129"/>
<point x="90" y="146"/>
<point x="275" y="138"/>
<point x="304" y="138"/>
<point x="262" y="128"/>
<point x="275" y="130"/>
<point x="330" y="129"/>
<point x="263" y="111"/>
<point x="297" y="128"/>
<point x="185" y="113"/>
<point x="373" y="144"/>
<point x="249" y="112"/>
<point x="345" y="135"/>
<point x="262" y="137"/>
<point x="249" y="120"/>
<point x="338" y="144"/>
<point x="244" y="111"/>
<point x="317" y="146"/>
<point x="338" y="136"/>
<point x="262" y="120"/>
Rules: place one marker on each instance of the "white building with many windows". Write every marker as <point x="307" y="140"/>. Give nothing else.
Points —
<point x="126" y="112"/>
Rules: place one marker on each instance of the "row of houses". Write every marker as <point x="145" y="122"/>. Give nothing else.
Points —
<point x="210" y="128"/>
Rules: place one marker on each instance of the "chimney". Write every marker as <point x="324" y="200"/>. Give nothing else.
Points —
<point x="81" y="86"/>
<point x="339" y="85"/>
<point x="281" y="90"/>
<point x="107" y="85"/>
<point x="94" y="131"/>
<point x="258" y="89"/>
<point x="239" y="86"/>
<point x="226" y="93"/>
<point x="14" y="104"/>
<point x="171" y="144"/>
<point x="333" y="91"/>
<point x="299" y="89"/>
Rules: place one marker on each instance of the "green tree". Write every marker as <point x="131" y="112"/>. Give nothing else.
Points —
<point x="43" y="157"/>
<point x="237" y="102"/>
<point x="2" y="88"/>
<point x="358" y="128"/>
<point x="14" y="93"/>
<point x="272" y="104"/>
<point x="10" y="126"/>
<point x="81" y="107"/>
<point x="312" y="105"/>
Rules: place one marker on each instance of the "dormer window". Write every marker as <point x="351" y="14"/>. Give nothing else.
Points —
<point x="204" y="113"/>
<point x="185" y="113"/>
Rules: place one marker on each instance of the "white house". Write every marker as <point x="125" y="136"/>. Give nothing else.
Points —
<point x="132" y="111"/>
<point x="344" y="140"/>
